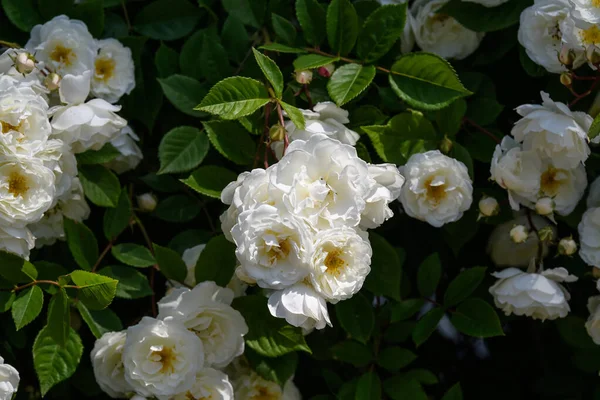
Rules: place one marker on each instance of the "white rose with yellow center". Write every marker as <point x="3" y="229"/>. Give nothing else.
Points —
<point x="113" y="71"/>
<point x="210" y="384"/>
<point x="107" y="364"/>
<point x="301" y="306"/>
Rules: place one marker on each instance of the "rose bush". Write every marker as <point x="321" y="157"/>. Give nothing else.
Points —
<point x="308" y="199"/>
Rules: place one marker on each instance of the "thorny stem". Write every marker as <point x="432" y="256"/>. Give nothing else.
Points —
<point x="33" y="283"/>
<point x="579" y="96"/>
<point x="482" y="129"/>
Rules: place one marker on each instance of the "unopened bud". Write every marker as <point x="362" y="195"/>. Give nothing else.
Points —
<point x="147" y="202"/>
<point x="277" y="133"/>
<point x="24" y="63"/>
<point x="52" y="81"/>
<point x="566" y="56"/>
<point x="446" y="145"/>
<point x="304" y="77"/>
<point x="546" y="234"/>
<point x="488" y="206"/>
<point x="567" y="246"/>
<point x="519" y="234"/>
<point x="592" y="53"/>
<point x="544" y="206"/>
<point x="566" y="79"/>
<point x="326" y="70"/>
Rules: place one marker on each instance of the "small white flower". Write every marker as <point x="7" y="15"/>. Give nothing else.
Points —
<point x="206" y="311"/>
<point x="147" y="202"/>
<point x="586" y="12"/>
<point x="540" y="296"/>
<point x="544" y="206"/>
<point x="24" y="63"/>
<point x="488" y="3"/>
<point x="519" y="234"/>
<point x="161" y="358"/>
<point x="578" y="38"/>
<point x="113" y="71"/>
<point x="387" y="188"/>
<point x="210" y="384"/>
<point x="108" y="364"/>
<point x="541" y="32"/>
<point x="32" y="80"/>
<point x="564" y="186"/>
<point x="130" y="154"/>
<point x="567" y="246"/>
<point x="554" y="131"/>
<point x="9" y="380"/>
<point x="488" y="206"/>
<point x="441" y="34"/>
<point x="65" y="45"/>
<point x="592" y="324"/>
<point x="251" y="386"/>
<point x="438" y="188"/>
<point x="589" y="237"/>
<point x="301" y="306"/>
<point x="340" y="263"/>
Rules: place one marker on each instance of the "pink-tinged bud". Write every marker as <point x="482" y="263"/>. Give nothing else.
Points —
<point x="52" y="81"/>
<point x="24" y="63"/>
<point x="147" y="202"/>
<point x="304" y="77"/>
<point x="326" y="70"/>
<point x="566" y="56"/>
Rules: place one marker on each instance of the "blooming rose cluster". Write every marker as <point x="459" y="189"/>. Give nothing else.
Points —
<point x="300" y="225"/>
<point x="46" y="118"/>
<point x="180" y="354"/>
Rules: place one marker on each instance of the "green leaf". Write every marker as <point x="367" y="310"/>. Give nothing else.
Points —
<point x="167" y="19"/>
<point x="395" y="358"/>
<point x="405" y="134"/>
<point x="6" y="301"/>
<point x="349" y="81"/>
<point x="449" y="119"/>
<point x="27" y="306"/>
<point x="426" y="81"/>
<point x="184" y="93"/>
<point x="484" y="110"/>
<point x="132" y="284"/>
<point x="294" y="114"/>
<point x="231" y="140"/>
<point x="380" y="31"/>
<point x="356" y="316"/>
<point x="133" y="254"/>
<point x="352" y="352"/>
<point x="235" y="38"/>
<point x="368" y="387"/>
<point x="454" y="393"/>
<point x="386" y="268"/>
<point x="572" y="330"/>
<point x="271" y="71"/>
<point x="178" y="208"/>
<point x="594" y="128"/>
<point x="400" y="388"/>
<point x="426" y="325"/>
<point x="234" y="97"/>
<point x="284" y="29"/>
<point x="312" y="61"/>
<point x="181" y="149"/>
<point x="475" y="317"/>
<point x="118" y="218"/>
<point x="406" y="309"/>
<point x="281" y="48"/>
<point x="161" y="183"/>
<point x="82" y="243"/>
<point x="429" y="274"/>
<point x="91" y="13"/>
<point x="461" y="154"/>
<point x="479" y="18"/>
<point x="166" y="61"/>
<point x="278" y="369"/>
<point x="530" y="67"/>
<point x="214" y="64"/>
<point x="95" y="291"/>
<point x="59" y="317"/>
<point x="267" y="335"/>
<point x="250" y="12"/>
<point x="106" y="154"/>
<point x="217" y="261"/>
<point x="22" y="13"/>
<point x="100" y="321"/>
<point x="342" y="26"/>
<point x="188" y="239"/>
<point x="311" y="16"/>
<point x="16" y="269"/>
<point x="210" y="180"/>
<point x="54" y="363"/>
<point x="100" y="185"/>
<point x="463" y="285"/>
<point x="170" y="263"/>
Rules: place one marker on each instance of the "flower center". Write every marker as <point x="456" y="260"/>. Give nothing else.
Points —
<point x="596" y="3"/>
<point x="190" y="396"/>
<point x="105" y="69"/>
<point x="441" y="18"/>
<point x="436" y="190"/>
<point x="590" y="35"/>
<point x="263" y="393"/>
<point x="6" y="127"/>
<point x="166" y="357"/>
<point x="17" y="184"/>
<point x="281" y="251"/>
<point x="62" y="55"/>
<point x="551" y="181"/>
<point x="334" y="263"/>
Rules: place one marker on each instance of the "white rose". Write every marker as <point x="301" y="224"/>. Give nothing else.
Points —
<point x="15" y="240"/>
<point x="592" y="324"/>
<point x="161" y="358"/>
<point x="589" y="237"/>
<point x="206" y="311"/>
<point x="564" y="186"/>
<point x="57" y="156"/>
<point x="301" y="306"/>
<point x="554" y="131"/>
<point x="387" y="188"/>
<point x="9" y="380"/>
<point x="586" y="12"/>
<point x="251" y="386"/>
<point x="210" y="384"/>
<point x="65" y="45"/>
<point x="340" y="263"/>
<point x="273" y="249"/>
<point x="438" y="188"/>
<point x="130" y="154"/>
<point x="539" y="296"/>
<point x="108" y="364"/>
<point x="488" y="3"/>
<point x="541" y="31"/>
<point x="114" y="71"/>
<point x="324" y="182"/>
<point x="593" y="199"/>
<point x="441" y="34"/>
<point x="580" y="37"/>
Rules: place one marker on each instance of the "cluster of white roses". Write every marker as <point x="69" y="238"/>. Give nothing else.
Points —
<point x="45" y="120"/>
<point x="182" y="353"/>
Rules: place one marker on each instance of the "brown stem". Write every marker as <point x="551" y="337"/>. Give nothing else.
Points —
<point x="308" y="97"/>
<point x="578" y="96"/>
<point x="317" y="51"/>
<point x="33" y="283"/>
<point x="266" y="137"/>
<point x="126" y="15"/>
<point x="102" y="255"/>
<point x="482" y="130"/>
<point x="286" y="139"/>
